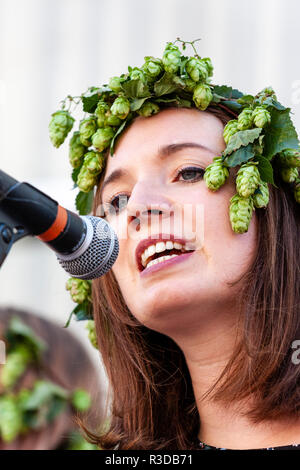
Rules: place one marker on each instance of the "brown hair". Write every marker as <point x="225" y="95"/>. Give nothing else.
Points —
<point x="66" y="363"/>
<point x="153" y="404"/>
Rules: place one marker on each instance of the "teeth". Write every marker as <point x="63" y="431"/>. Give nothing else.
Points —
<point x="159" y="247"/>
<point x="144" y="258"/>
<point x="150" y="250"/>
<point x="178" y="246"/>
<point x="160" y="260"/>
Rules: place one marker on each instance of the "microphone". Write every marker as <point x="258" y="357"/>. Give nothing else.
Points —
<point x="85" y="246"/>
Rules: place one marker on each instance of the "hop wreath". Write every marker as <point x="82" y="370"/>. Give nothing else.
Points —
<point x="259" y="139"/>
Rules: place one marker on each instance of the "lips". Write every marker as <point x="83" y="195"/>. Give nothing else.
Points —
<point x="152" y="240"/>
<point x="164" y="264"/>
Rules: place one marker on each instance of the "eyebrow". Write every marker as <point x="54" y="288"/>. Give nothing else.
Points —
<point x="163" y="152"/>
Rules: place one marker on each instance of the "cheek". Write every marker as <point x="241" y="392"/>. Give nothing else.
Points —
<point x="227" y="253"/>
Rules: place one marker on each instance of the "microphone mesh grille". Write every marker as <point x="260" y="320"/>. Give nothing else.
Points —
<point x="95" y="260"/>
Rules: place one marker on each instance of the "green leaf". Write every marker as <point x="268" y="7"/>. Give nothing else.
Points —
<point x="165" y="100"/>
<point x="269" y="102"/>
<point x="265" y="169"/>
<point x="246" y="100"/>
<point x="91" y="98"/>
<point x="119" y="131"/>
<point x="83" y="311"/>
<point x="181" y="103"/>
<point x="241" y="138"/>
<point x="165" y="85"/>
<point x="84" y="202"/>
<point x="227" y="92"/>
<point x="217" y="98"/>
<point x="69" y="319"/>
<point x="75" y="174"/>
<point x="176" y="100"/>
<point x="137" y="103"/>
<point x="179" y="82"/>
<point x="233" y="105"/>
<point x="242" y="155"/>
<point x="183" y="62"/>
<point x="136" y="89"/>
<point x="280" y="133"/>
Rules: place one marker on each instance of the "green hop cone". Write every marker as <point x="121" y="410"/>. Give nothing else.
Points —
<point x="230" y="129"/>
<point x="110" y="120"/>
<point x="120" y="107"/>
<point x="76" y="150"/>
<point x="216" y="174"/>
<point x="90" y="326"/>
<point x="261" y="116"/>
<point x="102" y="138"/>
<point x="202" y="96"/>
<point x="266" y="92"/>
<point x="296" y="191"/>
<point x="240" y="213"/>
<point x="245" y="119"/>
<point x="10" y="418"/>
<point x="81" y="399"/>
<point x="171" y="58"/>
<point x="209" y="66"/>
<point x="59" y="127"/>
<point x="115" y="84"/>
<point x="137" y="74"/>
<point x="190" y="85"/>
<point x="289" y="158"/>
<point x="148" y="109"/>
<point x="197" y="69"/>
<point x="261" y="200"/>
<point x="247" y="179"/>
<point x="93" y="162"/>
<point x="100" y="112"/>
<point x="16" y="363"/>
<point x="86" y="180"/>
<point x="289" y="175"/>
<point x="152" y="67"/>
<point x="87" y="128"/>
<point x="80" y="290"/>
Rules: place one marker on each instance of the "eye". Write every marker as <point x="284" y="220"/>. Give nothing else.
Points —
<point x="118" y="202"/>
<point x="120" y="199"/>
<point x="190" y="172"/>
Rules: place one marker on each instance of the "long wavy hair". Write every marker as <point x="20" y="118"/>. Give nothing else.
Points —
<point x="151" y="399"/>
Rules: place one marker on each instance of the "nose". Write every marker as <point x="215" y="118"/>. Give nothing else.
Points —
<point x="148" y="200"/>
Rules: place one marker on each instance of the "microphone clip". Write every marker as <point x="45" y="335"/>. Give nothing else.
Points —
<point x="9" y="234"/>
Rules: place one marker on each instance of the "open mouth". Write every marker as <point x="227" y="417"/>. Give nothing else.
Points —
<point x="160" y="253"/>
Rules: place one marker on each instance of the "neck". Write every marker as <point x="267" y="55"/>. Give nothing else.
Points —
<point x="207" y="350"/>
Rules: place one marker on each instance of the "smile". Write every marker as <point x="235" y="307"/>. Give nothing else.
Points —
<point x="165" y="262"/>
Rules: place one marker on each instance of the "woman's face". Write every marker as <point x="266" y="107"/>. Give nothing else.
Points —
<point x="179" y="294"/>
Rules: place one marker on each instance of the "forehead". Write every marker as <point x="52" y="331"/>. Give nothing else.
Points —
<point x="145" y="136"/>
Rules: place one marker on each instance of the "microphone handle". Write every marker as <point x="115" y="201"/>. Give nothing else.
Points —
<point x="62" y="230"/>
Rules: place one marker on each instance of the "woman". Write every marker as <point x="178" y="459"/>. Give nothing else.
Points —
<point x="197" y="351"/>
<point x="65" y="363"/>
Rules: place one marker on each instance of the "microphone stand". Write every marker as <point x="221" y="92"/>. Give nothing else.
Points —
<point x="10" y="230"/>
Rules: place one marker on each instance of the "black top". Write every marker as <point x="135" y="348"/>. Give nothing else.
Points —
<point x="204" y="446"/>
